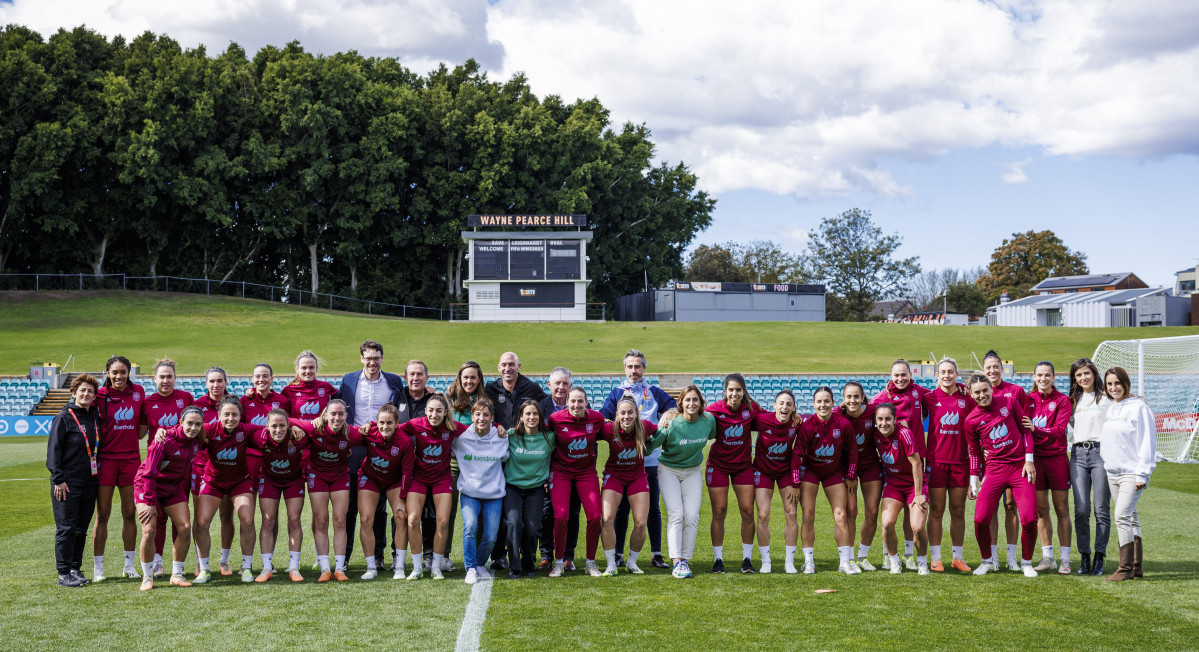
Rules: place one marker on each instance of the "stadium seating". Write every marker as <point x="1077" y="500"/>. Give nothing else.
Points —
<point x="19" y="395"/>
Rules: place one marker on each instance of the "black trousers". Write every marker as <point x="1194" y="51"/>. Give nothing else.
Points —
<point x="428" y="521"/>
<point x="572" y="526"/>
<point x="357" y="454"/>
<point x="72" y="516"/>
<point x="653" y="524"/>
<point x="522" y="516"/>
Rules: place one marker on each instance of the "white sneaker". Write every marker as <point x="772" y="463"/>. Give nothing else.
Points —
<point x="896" y="566"/>
<point x="98" y="574"/>
<point x="556" y="571"/>
<point x="984" y="568"/>
<point x="1046" y="564"/>
<point x="472" y="576"/>
<point x="1029" y="571"/>
<point x="417" y="573"/>
<point x="610" y="571"/>
<point x="864" y="564"/>
<point x="910" y="562"/>
<point x="159" y="571"/>
<point x="1013" y="565"/>
<point x="633" y="568"/>
<point x="789" y="568"/>
<point x="765" y="567"/>
<point x="398" y="575"/>
<point x="592" y="569"/>
<point x="437" y="573"/>
<point x="922" y="569"/>
<point x="809" y="568"/>
<point x="482" y="572"/>
<point x="131" y="573"/>
<point x="847" y="568"/>
<point x="370" y="574"/>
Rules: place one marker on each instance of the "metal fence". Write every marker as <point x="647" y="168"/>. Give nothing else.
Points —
<point x="243" y="289"/>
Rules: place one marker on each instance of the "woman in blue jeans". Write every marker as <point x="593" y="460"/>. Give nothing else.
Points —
<point x="480" y="452"/>
<point x="1087" y="476"/>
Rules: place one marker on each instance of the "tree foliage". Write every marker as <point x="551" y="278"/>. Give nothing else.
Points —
<point x="339" y="173"/>
<point x="857" y="264"/>
<point x="1026" y="259"/>
<point x="966" y="297"/>
<point x="758" y="261"/>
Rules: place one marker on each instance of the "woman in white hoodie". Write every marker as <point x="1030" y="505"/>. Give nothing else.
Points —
<point x="1128" y="445"/>
<point x="480" y="451"/>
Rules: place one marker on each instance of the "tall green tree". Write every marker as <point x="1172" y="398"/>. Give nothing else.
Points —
<point x="857" y="262"/>
<point x="1028" y="258"/>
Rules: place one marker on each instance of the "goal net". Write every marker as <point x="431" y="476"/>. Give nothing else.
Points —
<point x="1165" y="371"/>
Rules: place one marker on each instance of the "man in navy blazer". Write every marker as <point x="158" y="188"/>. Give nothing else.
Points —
<point x="364" y="392"/>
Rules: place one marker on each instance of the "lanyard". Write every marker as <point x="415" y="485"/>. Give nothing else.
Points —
<point x="86" y="444"/>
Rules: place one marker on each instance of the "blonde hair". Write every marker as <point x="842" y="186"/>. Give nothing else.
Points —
<point x="305" y="354"/>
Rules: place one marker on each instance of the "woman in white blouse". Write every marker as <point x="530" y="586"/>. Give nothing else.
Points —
<point x="1128" y="444"/>
<point x="1087" y="476"/>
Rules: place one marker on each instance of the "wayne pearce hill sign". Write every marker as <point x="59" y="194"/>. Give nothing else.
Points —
<point x="575" y="220"/>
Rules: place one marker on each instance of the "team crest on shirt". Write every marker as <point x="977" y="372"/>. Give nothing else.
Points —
<point x="913" y="393"/>
<point x="395" y="450"/>
<point x="445" y="436"/>
<point x="590" y="428"/>
<point x="137" y="396"/>
<point x="869" y="423"/>
<point x="1003" y="411"/>
<point x="961" y="403"/>
<point x="836" y="433"/>
<point x="291" y="450"/>
<point x="791" y="431"/>
<point x="341" y="445"/>
<point x="503" y="399"/>
<point x="320" y="392"/>
<point x="179" y="403"/>
<point x="403" y="407"/>
<point x="274" y="406"/>
<point x="744" y="414"/>
<point x="239" y="437"/>
<point x="1053" y="406"/>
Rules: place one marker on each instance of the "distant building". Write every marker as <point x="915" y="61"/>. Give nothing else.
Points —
<point x="710" y="301"/>
<point x="934" y="318"/>
<point x="1088" y="283"/>
<point x="1184" y="281"/>
<point x="1094" y="309"/>
<point x="884" y="310"/>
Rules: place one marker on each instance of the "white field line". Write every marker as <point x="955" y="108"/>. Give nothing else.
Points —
<point x="472" y="620"/>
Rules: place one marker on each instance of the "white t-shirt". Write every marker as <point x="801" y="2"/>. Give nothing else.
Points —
<point x="1089" y="416"/>
<point x="369" y="396"/>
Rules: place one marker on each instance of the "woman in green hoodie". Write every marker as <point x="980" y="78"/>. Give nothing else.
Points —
<point x="683" y="434"/>
<point x="527" y="470"/>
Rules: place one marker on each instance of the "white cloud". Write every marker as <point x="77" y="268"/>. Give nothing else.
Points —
<point x="1015" y="174"/>
<point x="801" y="98"/>
<point x="793" y="238"/>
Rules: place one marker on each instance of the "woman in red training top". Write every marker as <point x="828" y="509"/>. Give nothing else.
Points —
<point x="824" y="457"/>
<point x="282" y="478"/>
<point x="386" y="471"/>
<point x="225" y="475"/>
<point x="902" y="456"/>
<point x="947" y="407"/>
<point x="216" y="382"/>
<point x="307" y="396"/>
<point x="119" y="403"/>
<point x="729" y="463"/>
<point x="995" y="428"/>
<point x="906" y="396"/>
<point x="576" y="430"/>
<point x="256" y="404"/>
<point x="432" y="438"/>
<point x="772" y="466"/>
<point x="1000" y="388"/>
<point x="329" y="441"/>
<point x="624" y="475"/>
<point x="160" y="410"/>
<point x="161" y="486"/>
<point x="870" y="470"/>
<point x="1047" y="414"/>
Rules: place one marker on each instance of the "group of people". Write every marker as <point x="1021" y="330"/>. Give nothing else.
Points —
<point x="520" y="464"/>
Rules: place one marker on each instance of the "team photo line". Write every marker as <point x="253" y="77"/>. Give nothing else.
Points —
<point x="519" y="463"/>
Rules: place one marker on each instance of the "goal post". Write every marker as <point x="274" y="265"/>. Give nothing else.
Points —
<point x="1165" y="371"/>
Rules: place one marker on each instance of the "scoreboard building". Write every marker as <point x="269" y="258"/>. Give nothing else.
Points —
<point x="527" y="275"/>
<point x="703" y="301"/>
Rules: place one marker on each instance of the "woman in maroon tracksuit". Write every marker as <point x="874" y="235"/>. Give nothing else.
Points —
<point x="824" y="456"/>
<point x="161" y="486"/>
<point x="729" y="462"/>
<point x="226" y="475"/>
<point x="163" y="409"/>
<point x="386" y="472"/>
<point x="432" y="438"/>
<point x="281" y="478"/>
<point x="330" y="439"/>
<point x="576" y="430"/>
<point x="772" y="467"/>
<point x="624" y="475"/>
<point x="120" y="405"/>
<point x="870" y="470"/>
<point x="1047" y="414"/>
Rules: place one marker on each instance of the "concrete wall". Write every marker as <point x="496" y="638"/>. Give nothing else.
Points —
<point x="750" y="306"/>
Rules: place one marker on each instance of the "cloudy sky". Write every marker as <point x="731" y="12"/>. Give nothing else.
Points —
<point x="956" y="123"/>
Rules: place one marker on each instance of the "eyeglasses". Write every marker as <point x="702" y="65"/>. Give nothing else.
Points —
<point x="372" y="359"/>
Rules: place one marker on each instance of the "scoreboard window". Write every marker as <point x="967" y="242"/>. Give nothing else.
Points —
<point x="563" y="260"/>
<point x="491" y="260"/>
<point x="527" y="260"/>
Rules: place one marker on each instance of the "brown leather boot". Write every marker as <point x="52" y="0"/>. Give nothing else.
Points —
<point x="1137" y="555"/>
<point x="1124" y="571"/>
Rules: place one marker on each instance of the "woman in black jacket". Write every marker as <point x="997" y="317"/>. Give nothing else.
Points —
<point x="71" y="458"/>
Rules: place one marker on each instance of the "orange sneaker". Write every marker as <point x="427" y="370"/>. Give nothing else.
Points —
<point x="264" y="576"/>
<point x="147" y="582"/>
<point x="936" y="566"/>
<point x="325" y="577"/>
<point x="340" y="576"/>
<point x="295" y="576"/>
<point x="226" y="569"/>
<point x="960" y="565"/>
<point x="179" y="580"/>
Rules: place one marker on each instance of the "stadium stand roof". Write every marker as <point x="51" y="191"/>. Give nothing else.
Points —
<point x="1089" y="281"/>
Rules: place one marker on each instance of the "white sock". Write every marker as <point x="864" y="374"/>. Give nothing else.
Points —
<point x="845" y="553"/>
<point x="400" y="556"/>
<point x="323" y="560"/>
<point x="225" y="555"/>
<point x="718" y="551"/>
<point x="341" y="562"/>
<point x="863" y="551"/>
<point x="807" y="556"/>
<point x="935" y="551"/>
<point x="894" y="559"/>
<point x="764" y="552"/>
<point x="610" y="555"/>
<point x="147" y="569"/>
<point x="130" y="557"/>
<point x="908" y="547"/>
<point x="98" y="564"/>
<point x="994" y="553"/>
<point x="268" y="561"/>
<point x="1065" y="553"/>
<point x="558" y="562"/>
<point x="1011" y="553"/>
<point x="957" y="552"/>
<point x="293" y="560"/>
<point x="1047" y="552"/>
<point x="437" y="560"/>
<point x="633" y="555"/>
<point x="747" y="550"/>
<point x="791" y="555"/>
<point x="203" y="561"/>
<point x="370" y="562"/>
<point x="921" y="559"/>
<point x="157" y="559"/>
<point x="177" y="567"/>
<point x="247" y="561"/>
<point x="1026" y="562"/>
